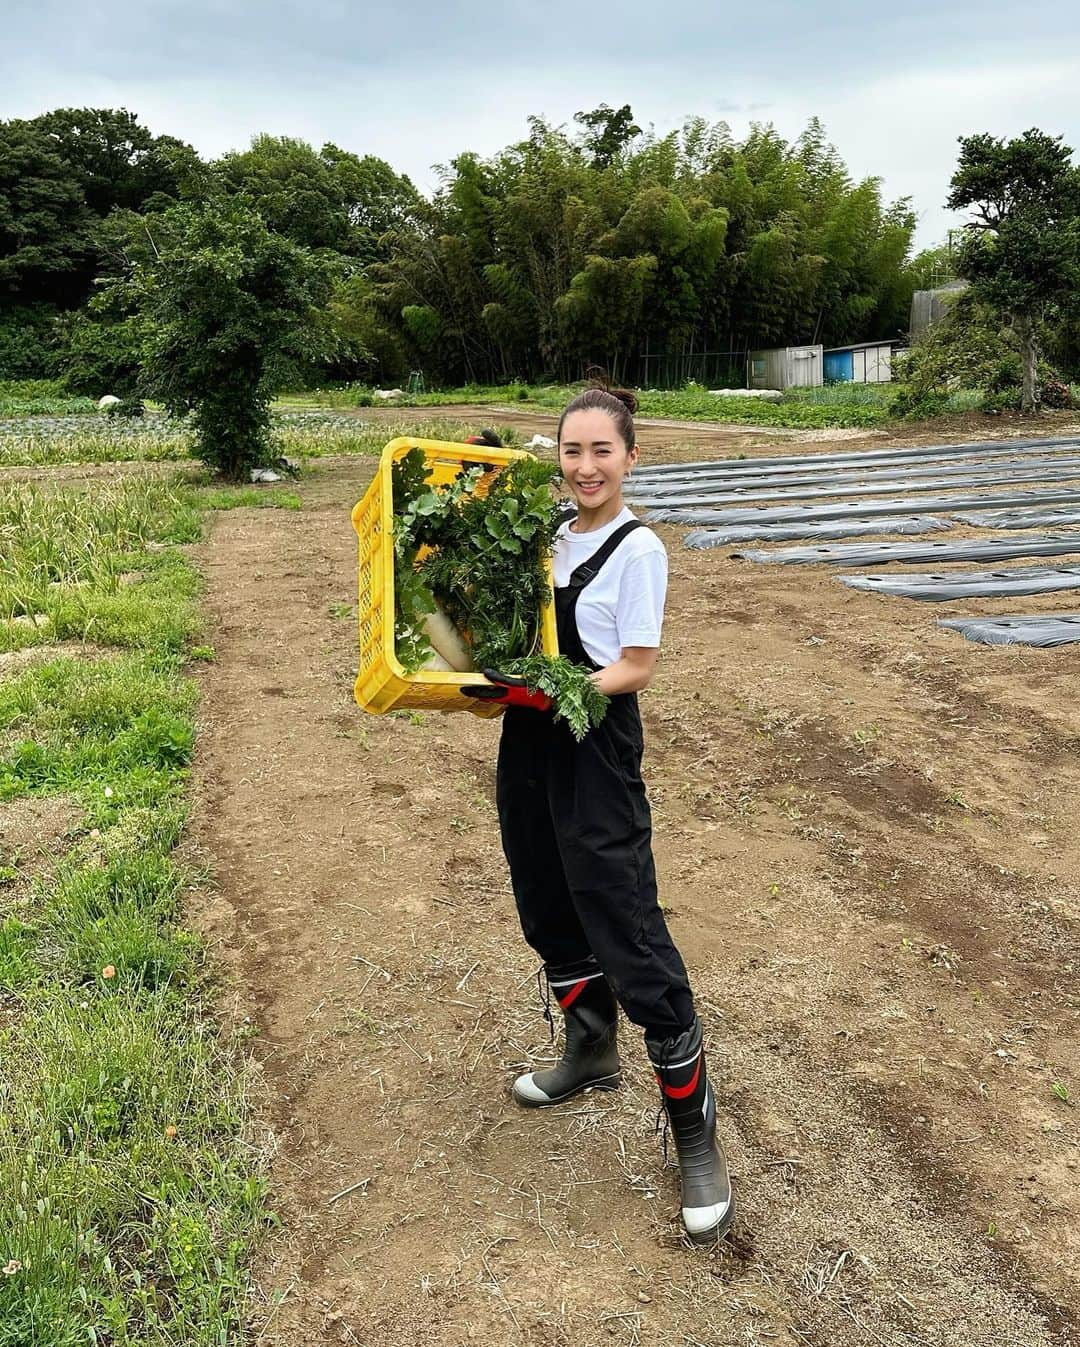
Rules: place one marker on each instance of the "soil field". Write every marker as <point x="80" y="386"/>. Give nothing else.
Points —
<point x="679" y="441"/>
<point x="868" y="840"/>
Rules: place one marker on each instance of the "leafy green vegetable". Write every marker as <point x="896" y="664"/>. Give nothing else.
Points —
<point x="486" y="567"/>
<point x="575" y="697"/>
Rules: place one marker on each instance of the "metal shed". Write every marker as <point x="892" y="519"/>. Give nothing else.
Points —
<point x="865" y="362"/>
<point x="931" y="306"/>
<point x="785" y="367"/>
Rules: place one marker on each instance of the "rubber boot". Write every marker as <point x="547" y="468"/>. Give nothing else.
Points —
<point x="708" y="1206"/>
<point x="590" y="1057"/>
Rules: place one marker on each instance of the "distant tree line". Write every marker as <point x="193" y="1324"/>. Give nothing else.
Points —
<point x="600" y="245"/>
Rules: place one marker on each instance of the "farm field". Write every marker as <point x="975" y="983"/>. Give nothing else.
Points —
<point x="867" y="841"/>
<point x="867" y="838"/>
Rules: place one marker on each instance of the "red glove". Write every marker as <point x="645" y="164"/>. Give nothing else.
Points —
<point x="509" y="691"/>
<point x="488" y="437"/>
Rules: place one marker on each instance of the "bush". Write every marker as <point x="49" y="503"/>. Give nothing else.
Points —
<point x="1007" y="400"/>
<point x="101" y="355"/>
<point x="969" y="353"/>
<point x="913" y="405"/>
<point x="27" y="341"/>
<point x="1056" y="394"/>
<point x="129" y="409"/>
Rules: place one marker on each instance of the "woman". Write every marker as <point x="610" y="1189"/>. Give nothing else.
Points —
<point x="575" y="820"/>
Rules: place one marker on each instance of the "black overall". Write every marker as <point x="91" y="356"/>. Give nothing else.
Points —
<point x="577" y="833"/>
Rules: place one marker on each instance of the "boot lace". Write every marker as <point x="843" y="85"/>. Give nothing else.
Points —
<point x="543" y="988"/>
<point x="662" y="1113"/>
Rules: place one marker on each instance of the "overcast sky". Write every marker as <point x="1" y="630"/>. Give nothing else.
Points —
<point x="416" y="82"/>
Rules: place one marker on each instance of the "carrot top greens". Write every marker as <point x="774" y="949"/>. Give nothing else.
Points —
<point x="486" y="568"/>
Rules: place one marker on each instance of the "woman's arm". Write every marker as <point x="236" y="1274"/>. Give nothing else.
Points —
<point x="631" y="672"/>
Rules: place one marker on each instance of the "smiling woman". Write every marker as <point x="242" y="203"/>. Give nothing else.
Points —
<point x="576" y="825"/>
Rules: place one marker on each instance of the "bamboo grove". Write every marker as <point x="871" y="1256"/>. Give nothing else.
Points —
<point x="658" y="257"/>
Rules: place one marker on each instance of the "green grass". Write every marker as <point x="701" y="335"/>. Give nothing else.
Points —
<point x="95" y="565"/>
<point x="41" y="397"/>
<point x="842" y="404"/>
<point x="248" y="497"/>
<point x="809" y="408"/>
<point x="800" y="407"/>
<point x="132" y="1196"/>
<point x="363" y="395"/>
<point x="41" y="441"/>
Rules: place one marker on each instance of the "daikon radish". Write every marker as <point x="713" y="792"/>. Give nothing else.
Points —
<point x="436" y="664"/>
<point x="446" y="640"/>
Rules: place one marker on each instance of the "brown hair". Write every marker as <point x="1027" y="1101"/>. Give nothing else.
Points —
<point x="619" y="403"/>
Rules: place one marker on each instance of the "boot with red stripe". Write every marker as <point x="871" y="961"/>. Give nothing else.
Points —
<point x="708" y="1206"/>
<point x="590" y="1057"/>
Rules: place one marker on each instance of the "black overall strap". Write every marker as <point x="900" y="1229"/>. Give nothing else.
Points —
<point x="590" y="568"/>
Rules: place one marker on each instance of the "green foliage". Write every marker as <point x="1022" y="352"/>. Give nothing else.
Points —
<point x="803" y="407"/>
<point x="575" y="696"/>
<point x="485" y="567"/>
<point x="292" y="188"/>
<point x="118" y="163"/>
<point x="1021" y="252"/>
<point x="78" y="565"/>
<point x="488" y="567"/>
<point x="560" y="252"/>
<point x="18" y="967"/>
<point x="327" y="199"/>
<point x="131" y="1196"/>
<point x="27" y="340"/>
<point x="45" y="225"/>
<point x="607" y="132"/>
<point x="40" y="397"/>
<point x="67" y="434"/>
<point x="102" y="350"/>
<point x="968" y="351"/>
<point x="61" y="175"/>
<point x="218" y="299"/>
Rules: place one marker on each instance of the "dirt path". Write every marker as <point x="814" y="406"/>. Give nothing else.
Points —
<point x="681" y="440"/>
<point x="868" y="835"/>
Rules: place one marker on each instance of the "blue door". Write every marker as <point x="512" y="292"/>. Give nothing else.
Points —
<point x="839" y="367"/>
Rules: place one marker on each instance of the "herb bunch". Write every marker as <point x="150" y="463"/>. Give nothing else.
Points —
<point x="484" y="563"/>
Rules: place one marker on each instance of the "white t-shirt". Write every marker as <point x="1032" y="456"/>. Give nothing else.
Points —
<point x="624" y="604"/>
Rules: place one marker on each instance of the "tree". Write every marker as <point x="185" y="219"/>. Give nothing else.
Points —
<point x="45" y="227"/>
<point x="296" y="190"/>
<point x="607" y="132"/>
<point x="220" y="299"/>
<point x="117" y="162"/>
<point x="377" y="200"/>
<point x="1021" y="252"/>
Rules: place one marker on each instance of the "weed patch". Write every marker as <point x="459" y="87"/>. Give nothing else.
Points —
<point x="95" y="566"/>
<point x="131" y="1197"/>
<point x="247" y="497"/>
<point x="41" y="397"/>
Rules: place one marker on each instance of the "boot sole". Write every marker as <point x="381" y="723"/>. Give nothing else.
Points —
<point x="602" y="1083"/>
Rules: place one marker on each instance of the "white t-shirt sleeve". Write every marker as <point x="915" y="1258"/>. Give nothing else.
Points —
<point x="639" y="616"/>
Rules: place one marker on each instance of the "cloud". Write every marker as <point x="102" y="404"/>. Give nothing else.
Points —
<point x="418" y="83"/>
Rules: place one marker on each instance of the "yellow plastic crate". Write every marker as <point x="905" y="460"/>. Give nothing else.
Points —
<point x="381" y="683"/>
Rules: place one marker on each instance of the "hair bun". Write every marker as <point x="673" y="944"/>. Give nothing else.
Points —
<point x="626" y="397"/>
